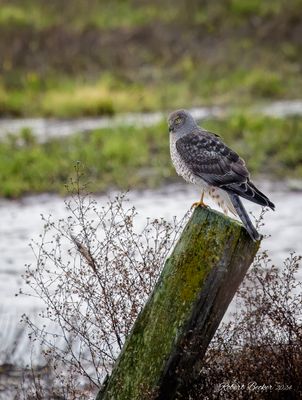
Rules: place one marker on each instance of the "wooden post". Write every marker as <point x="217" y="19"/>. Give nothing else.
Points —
<point x="165" y="348"/>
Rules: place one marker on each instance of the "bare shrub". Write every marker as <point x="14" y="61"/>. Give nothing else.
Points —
<point x="258" y="353"/>
<point x="94" y="271"/>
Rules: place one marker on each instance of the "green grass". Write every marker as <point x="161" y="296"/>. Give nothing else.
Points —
<point x="139" y="157"/>
<point x="78" y="14"/>
<point x="65" y="98"/>
<point x="89" y="58"/>
<point x="73" y="60"/>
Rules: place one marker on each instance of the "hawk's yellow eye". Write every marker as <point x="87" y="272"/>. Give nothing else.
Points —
<point x="178" y="120"/>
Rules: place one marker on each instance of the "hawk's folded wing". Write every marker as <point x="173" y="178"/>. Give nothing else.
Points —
<point x="210" y="159"/>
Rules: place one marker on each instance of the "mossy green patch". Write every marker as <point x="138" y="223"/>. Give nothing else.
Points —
<point x="208" y="240"/>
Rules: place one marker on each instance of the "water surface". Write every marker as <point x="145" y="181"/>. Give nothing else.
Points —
<point x="21" y="221"/>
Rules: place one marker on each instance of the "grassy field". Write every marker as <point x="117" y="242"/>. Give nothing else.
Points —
<point x="89" y="58"/>
<point x="95" y="57"/>
<point x="139" y="157"/>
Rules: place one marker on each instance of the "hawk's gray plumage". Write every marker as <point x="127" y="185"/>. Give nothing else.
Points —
<point x="201" y="157"/>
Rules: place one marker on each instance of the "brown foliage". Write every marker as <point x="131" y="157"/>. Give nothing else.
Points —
<point x="94" y="271"/>
<point x="258" y="353"/>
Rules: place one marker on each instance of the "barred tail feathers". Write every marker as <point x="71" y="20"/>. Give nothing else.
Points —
<point x="244" y="216"/>
<point x="261" y="195"/>
<point x="249" y="191"/>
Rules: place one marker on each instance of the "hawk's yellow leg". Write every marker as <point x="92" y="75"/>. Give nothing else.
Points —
<point x="199" y="203"/>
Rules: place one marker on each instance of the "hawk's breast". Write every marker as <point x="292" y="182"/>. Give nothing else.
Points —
<point x="218" y="195"/>
<point x="181" y="167"/>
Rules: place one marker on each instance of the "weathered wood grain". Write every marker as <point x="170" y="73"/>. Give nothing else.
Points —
<point x="164" y="351"/>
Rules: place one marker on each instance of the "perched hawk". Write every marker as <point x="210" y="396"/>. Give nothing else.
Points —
<point x="201" y="157"/>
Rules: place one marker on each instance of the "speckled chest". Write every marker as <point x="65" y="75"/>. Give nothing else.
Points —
<point x="218" y="195"/>
<point x="181" y="167"/>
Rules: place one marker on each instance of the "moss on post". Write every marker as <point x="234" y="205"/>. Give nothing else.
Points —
<point x="170" y="336"/>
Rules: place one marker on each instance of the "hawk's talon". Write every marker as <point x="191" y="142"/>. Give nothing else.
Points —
<point x="199" y="204"/>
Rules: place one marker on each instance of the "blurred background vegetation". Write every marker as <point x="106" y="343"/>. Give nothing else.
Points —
<point x="81" y="57"/>
<point x="93" y="57"/>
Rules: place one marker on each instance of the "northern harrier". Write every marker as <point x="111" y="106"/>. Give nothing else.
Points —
<point x="201" y="157"/>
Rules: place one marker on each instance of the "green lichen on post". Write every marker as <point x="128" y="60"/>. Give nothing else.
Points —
<point x="210" y="240"/>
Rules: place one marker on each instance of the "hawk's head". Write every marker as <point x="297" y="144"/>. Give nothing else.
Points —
<point x="181" y="122"/>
